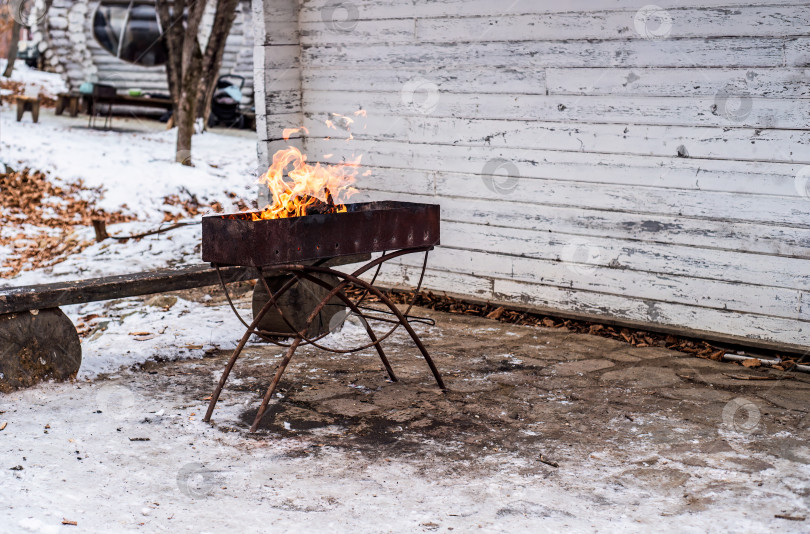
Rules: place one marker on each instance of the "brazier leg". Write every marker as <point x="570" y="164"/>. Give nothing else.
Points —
<point x="385" y="300"/>
<point x="232" y="361"/>
<point x="352" y="306"/>
<point x="281" y="367"/>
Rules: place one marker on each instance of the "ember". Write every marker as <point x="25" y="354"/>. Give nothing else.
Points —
<point x="306" y="189"/>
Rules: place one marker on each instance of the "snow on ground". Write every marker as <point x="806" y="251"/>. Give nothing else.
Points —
<point x="127" y="332"/>
<point x="35" y="82"/>
<point x="176" y="247"/>
<point x="136" y="169"/>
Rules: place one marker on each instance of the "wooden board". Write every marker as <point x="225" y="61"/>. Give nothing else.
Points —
<point x="24" y="298"/>
<point x="312" y="10"/>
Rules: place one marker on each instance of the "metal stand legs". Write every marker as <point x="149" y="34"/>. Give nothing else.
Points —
<point x="308" y="272"/>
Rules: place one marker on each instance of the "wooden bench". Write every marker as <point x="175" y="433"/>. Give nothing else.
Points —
<point x="42" y="296"/>
<point x="38" y="341"/>
<point x="130" y="101"/>
<point x="27" y="103"/>
<point x="107" y="95"/>
<point x="69" y="101"/>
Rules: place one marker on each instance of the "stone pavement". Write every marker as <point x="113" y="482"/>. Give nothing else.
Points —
<point x="643" y="437"/>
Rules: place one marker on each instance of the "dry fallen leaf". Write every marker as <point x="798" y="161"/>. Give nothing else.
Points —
<point x="3" y="425"/>
<point x="69" y="522"/>
<point x="751" y="363"/>
<point x="496" y="314"/>
<point x="139" y="333"/>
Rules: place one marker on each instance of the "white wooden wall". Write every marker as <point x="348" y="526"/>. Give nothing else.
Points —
<point x="588" y="155"/>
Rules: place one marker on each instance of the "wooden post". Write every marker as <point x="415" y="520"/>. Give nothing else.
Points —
<point x="100" y="226"/>
<point x="27" y="103"/>
<point x="35" y="346"/>
<point x="74" y="105"/>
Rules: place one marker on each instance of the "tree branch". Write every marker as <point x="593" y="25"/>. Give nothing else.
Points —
<point x="212" y="60"/>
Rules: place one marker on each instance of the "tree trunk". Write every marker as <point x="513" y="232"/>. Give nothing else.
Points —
<point x="187" y="106"/>
<point x="192" y="67"/>
<point x="171" y="23"/>
<point x="187" y="69"/>
<point x="212" y="59"/>
<point x="12" y="49"/>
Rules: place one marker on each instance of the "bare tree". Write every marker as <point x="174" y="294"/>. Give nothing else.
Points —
<point x="22" y="14"/>
<point x="12" y="48"/>
<point x="192" y="75"/>
<point x="212" y="59"/>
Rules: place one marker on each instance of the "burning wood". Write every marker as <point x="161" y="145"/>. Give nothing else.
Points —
<point x="299" y="189"/>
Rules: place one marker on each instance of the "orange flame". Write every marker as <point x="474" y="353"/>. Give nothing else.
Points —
<point x="315" y="188"/>
<point x="307" y="189"/>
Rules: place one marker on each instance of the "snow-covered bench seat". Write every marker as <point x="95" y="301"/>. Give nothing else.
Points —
<point x="43" y="296"/>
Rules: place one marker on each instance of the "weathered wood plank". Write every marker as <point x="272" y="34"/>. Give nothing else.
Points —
<point x="313" y="10"/>
<point x="17" y="299"/>
<point x="758" y="82"/>
<point x="571" y="273"/>
<point x="748" y="21"/>
<point x="496" y="79"/>
<point x="737" y="109"/>
<point x="753" y="178"/>
<point x="634" y="312"/>
<point x="577" y="221"/>
<point x="655" y="312"/>
<point x="276" y="11"/>
<point x="636" y="53"/>
<point x="454" y="284"/>
<point x="282" y="57"/>
<point x="507" y="245"/>
<point x="706" y="142"/>
<point x="719" y="206"/>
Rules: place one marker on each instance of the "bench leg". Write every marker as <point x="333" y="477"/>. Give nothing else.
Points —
<point x="35" y="111"/>
<point x="60" y="105"/>
<point x="20" y="110"/>
<point x="35" y="346"/>
<point x="74" y="106"/>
